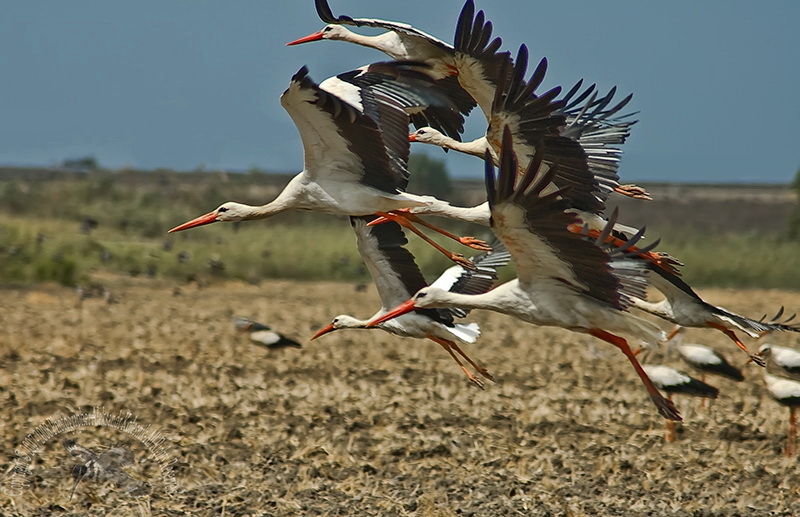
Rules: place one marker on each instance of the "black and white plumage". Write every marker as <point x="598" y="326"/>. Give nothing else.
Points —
<point x="674" y="381"/>
<point x="403" y="42"/>
<point x="564" y="279"/>
<point x="397" y="277"/>
<point x="783" y="360"/>
<point x="354" y="129"/>
<point x="686" y="308"/>
<point x="702" y="358"/>
<point x="263" y="335"/>
<point x="104" y="467"/>
<point x="707" y="360"/>
<point x="787" y="393"/>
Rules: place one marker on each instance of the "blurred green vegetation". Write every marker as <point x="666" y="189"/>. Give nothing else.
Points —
<point x="69" y="228"/>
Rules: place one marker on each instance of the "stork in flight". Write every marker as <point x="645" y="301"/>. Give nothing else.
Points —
<point x="686" y="308"/>
<point x="580" y="134"/>
<point x="354" y="129"/>
<point x="397" y="277"/>
<point x="402" y="42"/>
<point x="565" y="280"/>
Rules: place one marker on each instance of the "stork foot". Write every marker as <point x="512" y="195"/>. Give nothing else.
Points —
<point x="474" y="243"/>
<point x="634" y="191"/>
<point x="759" y="360"/>
<point x="461" y="260"/>
<point x="667" y="409"/>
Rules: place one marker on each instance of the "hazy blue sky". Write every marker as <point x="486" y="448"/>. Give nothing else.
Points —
<point x="168" y="83"/>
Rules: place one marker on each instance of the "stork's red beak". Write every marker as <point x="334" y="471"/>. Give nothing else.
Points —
<point x="412" y="137"/>
<point x="403" y="308"/>
<point x="311" y="37"/>
<point x="323" y="331"/>
<point x="208" y="218"/>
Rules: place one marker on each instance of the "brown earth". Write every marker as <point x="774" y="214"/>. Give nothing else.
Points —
<point x="364" y="423"/>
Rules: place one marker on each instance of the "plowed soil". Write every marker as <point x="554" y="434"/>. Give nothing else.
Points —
<point x="364" y="423"/>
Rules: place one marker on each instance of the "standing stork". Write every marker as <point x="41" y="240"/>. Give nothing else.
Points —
<point x="704" y="359"/>
<point x="782" y="359"/>
<point x="354" y="129"/>
<point x="675" y="382"/>
<point x="263" y="335"/>
<point x="565" y="280"/>
<point x="397" y="277"/>
<point x="787" y="393"/>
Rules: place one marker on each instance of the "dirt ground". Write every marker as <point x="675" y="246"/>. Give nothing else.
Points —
<point x="361" y="422"/>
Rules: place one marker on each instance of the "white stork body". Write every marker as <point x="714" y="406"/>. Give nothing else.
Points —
<point x="707" y="360"/>
<point x="354" y="129"/>
<point x="686" y="308"/>
<point x="787" y="393"/>
<point x="564" y="280"/>
<point x="397" y="277"/>
<point x="675" y="382"/>
<point x="784" y="360"/>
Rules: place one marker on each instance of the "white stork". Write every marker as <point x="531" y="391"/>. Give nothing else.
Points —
<point x="403" y="42"/>
<point x="354" y="129"/>
<point x="397" y="277"/>
<point x="263" y="335"/>
<point x="704" y="359"/>
<point x="784" y="360"/>
<point x="565" y="280"/>
<point x="675" y="382"/>
<point x="686" y="308"/>
<point x="787" y="393"/>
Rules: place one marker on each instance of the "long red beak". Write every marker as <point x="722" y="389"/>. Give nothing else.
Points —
<point x="311" y="37"/>
<point x="403" y="308"/>
<point x="412" y="137"/>
<point x="208" y="218"/>
<point x="322" y="332"/>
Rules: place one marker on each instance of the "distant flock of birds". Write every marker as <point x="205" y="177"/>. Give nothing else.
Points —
<point x="551" y="160"/>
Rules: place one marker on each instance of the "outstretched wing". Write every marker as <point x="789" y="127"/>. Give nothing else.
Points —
<point x="403" y="29"/>
<point x="478" y="58"/>
<point x="533" y="226"/>
<point x="354" y="127"/>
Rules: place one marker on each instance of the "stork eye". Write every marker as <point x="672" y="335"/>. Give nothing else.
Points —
<point x="222" y="209"/>
<point x="327" y="29"/>
<point x="421" y="295"/>
<point x="421" y="132"/>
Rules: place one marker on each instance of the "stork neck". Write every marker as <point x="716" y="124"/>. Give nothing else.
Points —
<point x="286" y="200"/>
<point x="383" y="42"/>
<point x="475" y="147"/>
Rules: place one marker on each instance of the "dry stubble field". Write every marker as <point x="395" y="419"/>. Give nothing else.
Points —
<point x="364" y="423"/>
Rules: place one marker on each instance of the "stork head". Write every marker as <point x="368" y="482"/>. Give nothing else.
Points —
<point x="342" y="321"/>
<point x="428" y="135"/>
<point x="328" y="32"/>
<point x="425" y="297"/>
<point x="228" y="212"/>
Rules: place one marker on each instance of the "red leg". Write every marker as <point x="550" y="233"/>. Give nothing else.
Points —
<point x="665" y="406"/>
<point x="670" y="436"/>
<point x="760" y="361"/>
<point x="673" y="333"/>
<point x="455" y="257"/>
<point x="410" y="218"/>
<point x="661" y="260"/>
<point x="448" y="345"/>
<point x="791" y="434"/>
